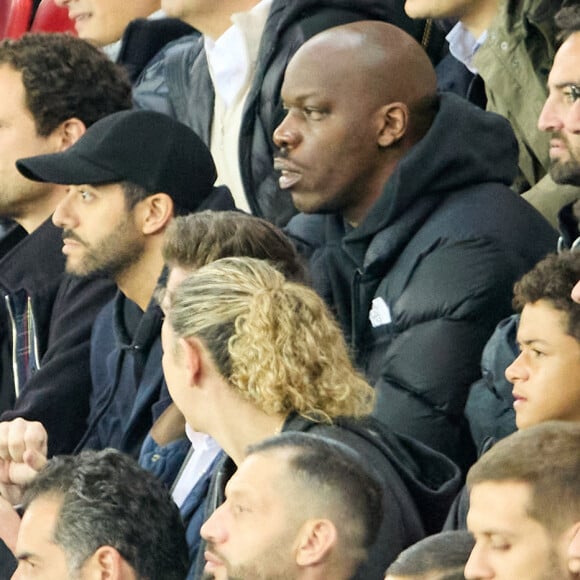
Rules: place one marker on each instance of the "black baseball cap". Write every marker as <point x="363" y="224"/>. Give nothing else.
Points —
<point x="147" y="148"/>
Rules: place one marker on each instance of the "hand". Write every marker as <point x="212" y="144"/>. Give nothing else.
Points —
<point x="169" y="427"/>
<point x="23" y="449"/>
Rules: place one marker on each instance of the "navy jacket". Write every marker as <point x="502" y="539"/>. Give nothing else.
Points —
<point x="129" y="390"/>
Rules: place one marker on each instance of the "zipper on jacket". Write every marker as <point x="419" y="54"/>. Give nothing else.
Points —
<point x="33" y="339"/>
<point x="354" y="307"/>
<point x="426" y="38"/>
<point x="14" y="345"/>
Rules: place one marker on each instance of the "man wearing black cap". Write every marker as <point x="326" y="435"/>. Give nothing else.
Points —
<point x="46" y="316"/>
<point x="128" y="176"/>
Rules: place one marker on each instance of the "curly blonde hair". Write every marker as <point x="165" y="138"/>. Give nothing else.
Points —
<point x="273" y="340"/>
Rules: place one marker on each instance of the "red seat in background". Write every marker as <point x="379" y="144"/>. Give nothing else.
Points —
<point x="51" y="18"/>
<point x="14" y="17"/>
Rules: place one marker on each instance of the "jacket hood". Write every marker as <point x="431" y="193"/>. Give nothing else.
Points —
<point x="499" y="352"/>
<point x="464" y="147"/>
<point x="431" y="478"/>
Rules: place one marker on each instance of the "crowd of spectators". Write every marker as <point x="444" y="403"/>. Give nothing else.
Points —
<point x="291" y="290"/>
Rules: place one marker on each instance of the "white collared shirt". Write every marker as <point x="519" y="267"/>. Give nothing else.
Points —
<point x="232" y="62"/>
<point x="463" y="45"/>
<point x="204" y="451"/>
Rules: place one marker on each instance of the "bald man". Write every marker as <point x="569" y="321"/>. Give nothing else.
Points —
<point x="414" y="236"/>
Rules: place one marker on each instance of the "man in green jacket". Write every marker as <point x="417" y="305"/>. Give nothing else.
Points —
<point x="510" y="45"/>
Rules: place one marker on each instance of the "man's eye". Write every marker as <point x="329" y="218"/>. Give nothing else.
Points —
<point x="313" y="114"/>
<point x="501" y="547"/>
<point x="572" y="93"/>
<point x="239" y="509"/>
<point x="85" y="195"/>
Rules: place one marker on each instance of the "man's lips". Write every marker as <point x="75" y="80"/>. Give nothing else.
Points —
<point x="518" y="399"/>
<point x="211" y="561"/>
<point x="69" y="245"/>
<point x="557" y="147"/>
<point x="290" y="174"/>
<point x="70" y="242"/>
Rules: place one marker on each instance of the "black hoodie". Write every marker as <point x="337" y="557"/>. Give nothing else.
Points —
<point x="419" y="486"/>
<point x="434" y="263"/>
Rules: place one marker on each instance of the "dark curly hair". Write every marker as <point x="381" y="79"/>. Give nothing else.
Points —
<point x="568" y="20"/>
<point x="552" y="280"/>
<point x="66" y="77"/>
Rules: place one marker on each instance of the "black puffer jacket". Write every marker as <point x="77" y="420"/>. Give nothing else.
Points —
<point x="433" y="265"/>
<point x="180" y="86"/>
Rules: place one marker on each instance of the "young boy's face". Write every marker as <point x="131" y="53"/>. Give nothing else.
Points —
<point x="546" y="374"/>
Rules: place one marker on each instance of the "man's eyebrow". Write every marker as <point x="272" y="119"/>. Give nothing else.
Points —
<point x="529" y="341"/>
<point x="566" y="85"/>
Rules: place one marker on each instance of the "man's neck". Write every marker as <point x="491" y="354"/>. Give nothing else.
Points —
<point x="138" y="282"/>
<point x="480" y="16"/>
<point x="39" y="210"/>
<point x="218" y="19"/>
<point x="246" y="426"/>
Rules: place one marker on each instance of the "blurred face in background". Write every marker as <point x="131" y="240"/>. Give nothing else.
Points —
<point x="103" y="22"/>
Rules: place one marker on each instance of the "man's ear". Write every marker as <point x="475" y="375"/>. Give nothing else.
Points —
<point x="394" y="122"/>
<point x="68" y="133"/>
<point x="107" y="564"/>
<point x="195" y="359"/>
<point x="574" y="550"/>
<point x="156" y="211"/>
<point x="316" y="540"/>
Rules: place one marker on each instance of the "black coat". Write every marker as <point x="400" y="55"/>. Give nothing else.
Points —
<point x="433" y="264"/>
<point x="51" y="314"/>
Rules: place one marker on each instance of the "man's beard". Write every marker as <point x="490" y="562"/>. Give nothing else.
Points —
<point x="111" y="256"/>
<point x="566" y="172"/>
<point x="263" y="568"/>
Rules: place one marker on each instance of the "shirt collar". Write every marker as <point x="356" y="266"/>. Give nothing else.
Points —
<point x="232" y="57"/>
<point x="463" y="45"/>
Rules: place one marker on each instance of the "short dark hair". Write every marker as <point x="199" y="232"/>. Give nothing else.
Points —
<point x="334" y="476"/>
<point x="445" y="553"/>
<point x="568" y="21"/>
<point x="547" y="458"/>
<point x="66" y="77"/>
<point x="108" y="500"/>
<point x="135" y="193"/>
<point x="552" y="279"/>
<point x="197" y="239"/>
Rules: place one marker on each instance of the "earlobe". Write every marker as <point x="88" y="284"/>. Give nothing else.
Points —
<point x="394" y="119"/>
<point x="574" y="550"/>
<point x="105" y="564"/>
<point x="316" y="540"/>
<point x="158" y="212"/>
<point x="193" y="354"/>
<point x="69" y="132"/>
